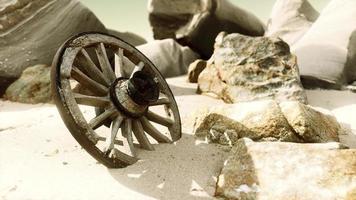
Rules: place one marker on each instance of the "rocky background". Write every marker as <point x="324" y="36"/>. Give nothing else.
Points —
<point x="258" y="70"/>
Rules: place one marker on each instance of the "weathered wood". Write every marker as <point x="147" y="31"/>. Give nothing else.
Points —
<point x="141" y="136"/>
<point x="115" y="126"/>
<point x="159" y="119"/>
<point x="100" y="119"/>
<point x="152" y="131"/>
<point x="126" y="129"/>
<point x="91" y="100"/>
<point x="119" y="63"/>
<point x="160" y="101"/>
<point x="137" y="68"/>
<point x="90" y="68"/>
<point x="104" y="62"/>
<point x="89" y="83"/>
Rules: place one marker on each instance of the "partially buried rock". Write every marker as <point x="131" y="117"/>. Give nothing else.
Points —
<point x="168" y="56"/>
<point x="195" y="69"/>
<point x="196" y="23"/>
<point x="279" y="171"/>
<point x="291" y="19"/>
<point x="247" y="68"/>
<point x="31" y="31"/>
<point x="34" y="86"/>
<point x="266" y="121"/>
<point x="327" y="52"/>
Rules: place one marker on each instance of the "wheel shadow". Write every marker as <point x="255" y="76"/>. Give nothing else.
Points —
<point x="184" y="170"/>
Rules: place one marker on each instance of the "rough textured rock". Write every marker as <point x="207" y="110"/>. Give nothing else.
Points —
<point x="195" y="69"/>
<point x="291" y="19"/>
<point x="248" y="68"/>
<point x="31" y="31"/>
<point x="310" y="124"/>
<point x="279" y="171"/>
<point x="196" y="23"/>
<point x="169" y="57"/>
<point x="327" y="52"/>
<point x="266" y="120"/>
<point x="129" y="37"/>
<point x="34" y="86"/>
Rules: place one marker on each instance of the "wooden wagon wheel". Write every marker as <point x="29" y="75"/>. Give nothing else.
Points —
<point x="94" y="70"/>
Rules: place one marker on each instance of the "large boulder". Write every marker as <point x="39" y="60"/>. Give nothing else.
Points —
<point x="196" y="23"/>
<point x="247" y="68"/>
<point x="129" y="37"/>
<point x="291" y="19"/>
<point x="170" y="58"/>
<point x="279" y="171"/>
<point x="31" y="31"/>
<point x="266" y="120"/>
<point x="34" y="86"/>
<point x="327" y="52"/>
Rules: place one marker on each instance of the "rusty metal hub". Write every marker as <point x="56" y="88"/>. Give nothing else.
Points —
<point x="133" y="96"/>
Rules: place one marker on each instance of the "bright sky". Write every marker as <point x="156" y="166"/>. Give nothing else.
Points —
<point x="131" y="15"/>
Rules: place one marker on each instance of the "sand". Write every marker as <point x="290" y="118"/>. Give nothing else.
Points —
<point x="39" y="159"/>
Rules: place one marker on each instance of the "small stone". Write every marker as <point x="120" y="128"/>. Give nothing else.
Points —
<point x="65" y="163"/>
<point x="195" y="69"/>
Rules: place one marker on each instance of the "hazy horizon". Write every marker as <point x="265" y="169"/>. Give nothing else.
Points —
<point x="133" y="16"/>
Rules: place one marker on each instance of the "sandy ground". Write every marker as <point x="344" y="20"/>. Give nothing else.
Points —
<point x="39" y="159"/>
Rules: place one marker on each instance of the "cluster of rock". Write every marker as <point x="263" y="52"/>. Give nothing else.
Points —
<point x="266" y="120"/>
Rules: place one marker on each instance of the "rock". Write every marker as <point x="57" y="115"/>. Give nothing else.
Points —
<point x="279" y="171"/>
<point x="250" y="68"/>
<point x="129" y="37"/>
<point x="291" y="19"/>
<point x="327" y="52"/>
<point x="266" y="120"/>
<point x="195" y="69"/>
<point x="168" y="56"/>
<point x="310" y="124"/>
<point x="34" y="86"/>
<point x="196" y="23"/>
<point x="32" y="31"/>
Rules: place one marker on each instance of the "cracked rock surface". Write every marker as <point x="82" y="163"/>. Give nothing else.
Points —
<point x="266" y="120"/>
<point x="280" y="170"/>
<point x="245" y="68"/>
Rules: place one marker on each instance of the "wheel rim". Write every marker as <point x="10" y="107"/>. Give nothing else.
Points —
<point x="84" y="70"/>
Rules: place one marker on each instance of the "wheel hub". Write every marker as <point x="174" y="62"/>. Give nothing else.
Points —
<point x="133" y="96"/>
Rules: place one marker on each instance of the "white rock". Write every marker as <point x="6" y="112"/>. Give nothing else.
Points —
<point x="291" y="19"/>
<point x="327" y="52"/>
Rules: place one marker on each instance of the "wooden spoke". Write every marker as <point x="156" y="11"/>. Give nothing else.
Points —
<point x="100" y="119"/>
<point x="91" y="100"/>
<point x="115" y="153"/>
<point x="115" y="126"/>
<point x="141" y="136"/>
<point x="88" y="83"/>
<point x="159" y="119"/>
<point x="119" y="60"/>
<point x="126" y="129"/>
<point x="117" y="142"/>
<point x="104" y="62"/>
<point x="160" y="101"/>
<point x="91" y="69"/>
<point x="137" y="68"/>
<point x="151" y="130"/>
